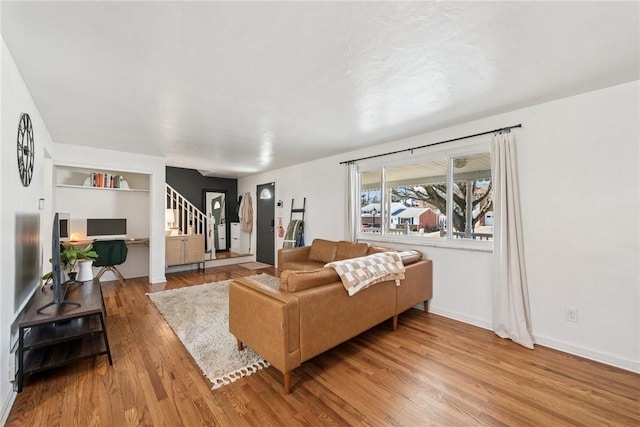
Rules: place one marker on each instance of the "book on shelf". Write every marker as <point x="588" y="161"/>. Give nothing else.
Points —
<point x="106" y="180"/>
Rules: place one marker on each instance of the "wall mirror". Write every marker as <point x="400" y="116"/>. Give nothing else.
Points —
<point x="217" y="225"/>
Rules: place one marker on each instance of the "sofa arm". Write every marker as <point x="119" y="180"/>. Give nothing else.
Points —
<point x="298" y="254"/>
<point x="267" y="320"/>
<point x="417" y="286"/>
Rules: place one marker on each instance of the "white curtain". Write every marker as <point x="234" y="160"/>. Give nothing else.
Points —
<point x="511" y="315"/>
<point x="352" y="203"/>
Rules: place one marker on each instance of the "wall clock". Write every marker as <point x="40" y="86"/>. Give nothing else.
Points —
<point x="25" y="149"/>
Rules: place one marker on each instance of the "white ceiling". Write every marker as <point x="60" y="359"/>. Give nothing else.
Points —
<point x="233" y="88"/>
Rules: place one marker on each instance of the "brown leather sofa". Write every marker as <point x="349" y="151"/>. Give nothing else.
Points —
<point x="320" y="253"/>
<point x="311" y="312"/>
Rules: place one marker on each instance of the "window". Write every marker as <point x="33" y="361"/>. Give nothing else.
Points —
<point x="370" y="206"/>
<point x="438" y="199"/>
<point x="265" y="194"/>
<point x="472" y="197"/>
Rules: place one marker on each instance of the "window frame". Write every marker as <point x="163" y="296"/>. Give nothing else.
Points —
<point x="469" y="148"/>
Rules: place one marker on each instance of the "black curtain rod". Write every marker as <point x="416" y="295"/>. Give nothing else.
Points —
<point x="505" y="129"/>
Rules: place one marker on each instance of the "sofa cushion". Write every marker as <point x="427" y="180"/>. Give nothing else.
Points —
<point x="376" y="250"/>
<point x="322" y="250"/>
<point x="348" y="250"/>
<point x="302" y="265"/>
<point x="294" y="281"/>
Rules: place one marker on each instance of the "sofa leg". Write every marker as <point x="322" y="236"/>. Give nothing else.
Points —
<point x="426" y="306"/>
<point x="287" y="382"/>
<point x="240" y="345"/>
<point x="395" y="322"/>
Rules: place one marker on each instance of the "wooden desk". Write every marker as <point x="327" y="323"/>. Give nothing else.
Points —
<point x="62" y="334"/>
<point x="137" y="257"/>
<point x="129" y="242"/>
<point x="140" y="241"/>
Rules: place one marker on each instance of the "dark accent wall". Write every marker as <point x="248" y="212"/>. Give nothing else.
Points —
<point x="190" y="183"/>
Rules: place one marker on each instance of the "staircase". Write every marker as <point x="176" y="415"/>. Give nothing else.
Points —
<point x="188" y="218"/>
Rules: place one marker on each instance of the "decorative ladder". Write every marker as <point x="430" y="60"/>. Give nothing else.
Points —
<point x="185" y="213"/>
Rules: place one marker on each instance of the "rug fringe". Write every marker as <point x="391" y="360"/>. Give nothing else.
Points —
<point x="239" y="373"/>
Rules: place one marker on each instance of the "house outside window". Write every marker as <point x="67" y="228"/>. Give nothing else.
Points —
<point x="438" y="198"/>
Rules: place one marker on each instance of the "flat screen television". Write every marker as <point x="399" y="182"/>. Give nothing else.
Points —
<point x="58" y="286"/>
<point x="106" y="228"/>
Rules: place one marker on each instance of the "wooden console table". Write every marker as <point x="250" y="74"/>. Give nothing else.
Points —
<point x="62" y="334"/>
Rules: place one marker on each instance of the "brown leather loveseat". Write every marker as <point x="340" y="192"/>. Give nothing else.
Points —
<point x="311" y="312"/>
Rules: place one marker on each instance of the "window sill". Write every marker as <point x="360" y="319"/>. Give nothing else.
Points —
<point x="459" y="244"/>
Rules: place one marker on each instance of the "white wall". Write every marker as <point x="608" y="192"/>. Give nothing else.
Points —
<point x="15" y="199"/>
<point x="578" y="163"/>
<point x="321" y="182"/>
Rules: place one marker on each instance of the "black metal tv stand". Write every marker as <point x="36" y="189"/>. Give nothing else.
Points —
<point x="47" y="341"/>
<point x="65" y="302"/>
<point x="65" y="286"/>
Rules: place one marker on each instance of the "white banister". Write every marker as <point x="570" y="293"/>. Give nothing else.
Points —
<point x="186" y="214"/>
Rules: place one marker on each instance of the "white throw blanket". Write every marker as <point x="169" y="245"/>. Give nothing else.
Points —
<point x="360" y="273"/>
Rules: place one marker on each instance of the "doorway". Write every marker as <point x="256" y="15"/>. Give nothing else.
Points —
<point x="216" y="226"/>
<point x="265" y="225"/>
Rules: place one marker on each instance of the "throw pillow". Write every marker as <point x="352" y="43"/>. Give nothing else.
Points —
<point x="348" y="250"/>
<point x="322" y="251"/>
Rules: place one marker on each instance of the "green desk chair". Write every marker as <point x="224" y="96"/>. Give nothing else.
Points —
<point x="110" y="254"/>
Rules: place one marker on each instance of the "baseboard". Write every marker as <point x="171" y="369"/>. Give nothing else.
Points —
<point x="218" y="262"/>
<point x="607" y="359"/>
<point x="460" y="317"/>
<point x="228" y="261"/>
<point x="7" y="404"/>
<point x="160" y="279"/>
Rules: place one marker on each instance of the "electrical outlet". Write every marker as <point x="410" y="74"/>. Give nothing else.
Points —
<point x="571" y="314"/>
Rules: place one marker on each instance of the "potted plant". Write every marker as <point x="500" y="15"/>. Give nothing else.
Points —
<point x="70" y="257"/>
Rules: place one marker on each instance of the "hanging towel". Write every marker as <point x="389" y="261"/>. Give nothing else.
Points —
<point x="294" y="234"/>
<point x="300" y="238"/>
<point x="247" y="213"/>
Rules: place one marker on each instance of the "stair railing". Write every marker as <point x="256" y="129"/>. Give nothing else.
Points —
<point x="188" y="218"/>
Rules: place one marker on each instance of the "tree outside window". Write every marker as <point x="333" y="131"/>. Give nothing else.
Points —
<point x="416" y="199"/>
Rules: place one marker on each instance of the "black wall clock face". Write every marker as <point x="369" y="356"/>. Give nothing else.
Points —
<point x="25" y="149"/>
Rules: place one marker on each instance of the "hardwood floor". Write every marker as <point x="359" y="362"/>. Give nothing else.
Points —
<point x="431" y="371"/>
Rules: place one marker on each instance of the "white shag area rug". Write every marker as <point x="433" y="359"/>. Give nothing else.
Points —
<point x="199" y="316"/>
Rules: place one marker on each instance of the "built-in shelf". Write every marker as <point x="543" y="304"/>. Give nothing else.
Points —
<point x="78" y="177"/>
<point x="101" y="188"/>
